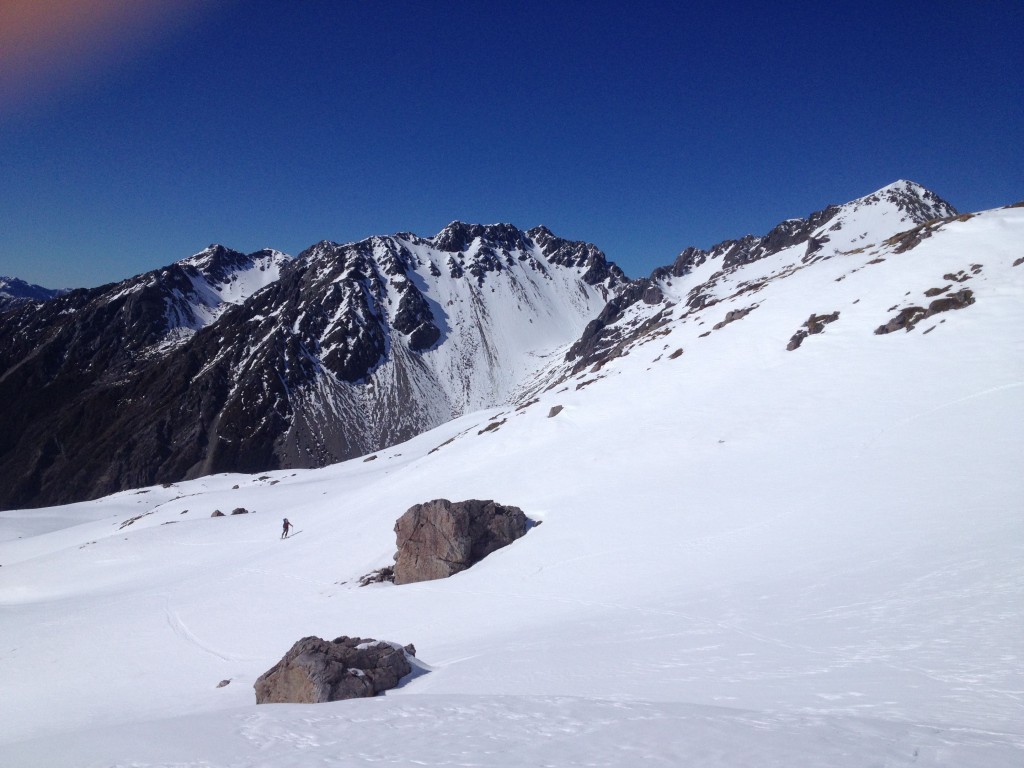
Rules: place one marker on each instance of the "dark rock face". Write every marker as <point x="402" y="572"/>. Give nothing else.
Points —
<point x="813" y="325"/>
<point x="908" y="317"/>
<point x="441" y="538"/>
<point x="567" y="253"/>
<point x="379" y="576"/>
<point x="732" y="316"/>
<point x="457" y="237"/>
<point x="753" y="248"/>
<point x="100" y="406"/>
<point x="316" y="670"/>
<point x="415" y="319"/>
<point x="602" y="340"/>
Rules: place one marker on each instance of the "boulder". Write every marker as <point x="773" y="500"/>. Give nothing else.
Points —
<point x="441" y="537"/>
<point x="317" y="670"/>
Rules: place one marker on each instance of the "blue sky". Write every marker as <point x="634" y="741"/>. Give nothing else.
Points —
<point x="134" y="141"/>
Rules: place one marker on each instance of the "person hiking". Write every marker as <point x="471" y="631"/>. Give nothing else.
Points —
<point x="287" y="527"/>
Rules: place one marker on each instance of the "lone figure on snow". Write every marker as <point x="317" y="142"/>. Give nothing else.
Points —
<point x="287" y="527"/>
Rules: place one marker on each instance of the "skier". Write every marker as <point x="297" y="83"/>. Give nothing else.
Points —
<point x="287" y="526"/>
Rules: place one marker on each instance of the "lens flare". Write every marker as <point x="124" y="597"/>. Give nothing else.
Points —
<point x="49" y="45"/>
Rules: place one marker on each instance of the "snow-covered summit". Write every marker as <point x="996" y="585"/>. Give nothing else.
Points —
<point x="233" y="273"/>
<point x="917" y="203"/>
<point x="881" y="214"/>
<point x="217" y="277"/>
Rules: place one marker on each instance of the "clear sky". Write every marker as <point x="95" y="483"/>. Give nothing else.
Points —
<point x="132" y="138"/>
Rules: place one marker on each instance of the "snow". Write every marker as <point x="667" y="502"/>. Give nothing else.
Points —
<point x="747" y="556"/>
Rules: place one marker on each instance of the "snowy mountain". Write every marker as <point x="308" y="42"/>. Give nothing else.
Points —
<point x="753" y="551"/>
<point x="699" y="280"/>
<point x="228" y="362"/>
<point x="14" y="292"/>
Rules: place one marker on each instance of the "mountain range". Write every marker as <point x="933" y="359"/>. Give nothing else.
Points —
<point x="231" y="362"/>
<point x="774" y="492"/>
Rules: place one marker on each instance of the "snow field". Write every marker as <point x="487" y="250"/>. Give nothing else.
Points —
<point x="746" y="556"/>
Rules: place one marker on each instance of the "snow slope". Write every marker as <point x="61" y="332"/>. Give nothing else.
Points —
<point x="749" y="556"/>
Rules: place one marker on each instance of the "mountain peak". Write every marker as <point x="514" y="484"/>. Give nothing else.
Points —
<point x="896" y="207"/>
<point x="917" y="202"/>
<point x="459" y="236"/>
<point x="595" y="267"/>
<point x="14" y="291"/>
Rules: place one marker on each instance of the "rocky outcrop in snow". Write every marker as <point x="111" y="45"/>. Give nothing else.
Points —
<point x="316" y="670"/>
<point x="441" y="538"/>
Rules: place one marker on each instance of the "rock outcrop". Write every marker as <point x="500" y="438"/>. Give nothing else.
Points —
<point x="317" y="670"/>
<point x="441" y="537"/>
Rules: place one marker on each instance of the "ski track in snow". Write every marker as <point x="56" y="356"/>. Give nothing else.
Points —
<point x="180" y="629"/>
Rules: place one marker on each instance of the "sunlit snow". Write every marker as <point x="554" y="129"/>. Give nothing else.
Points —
<point x="747" y="556"/>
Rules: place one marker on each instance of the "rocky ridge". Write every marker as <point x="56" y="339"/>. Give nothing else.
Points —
<point x="14" y="292"/>
<point x="233" y="362"/>
<point x="699" y="279"/>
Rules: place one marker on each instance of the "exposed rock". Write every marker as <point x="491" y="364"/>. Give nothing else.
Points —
<point x="733" y="315"/>
<point x="441" y="537"/>
<point x="415" y="319"/>
<point x="131" y="520"/>
<point x="908" y="317"/>
<point x="240" y="511"/>
<point x="814" y="324"/>
<point x="598" y="271"/>
<point x="379" y="576"/>
<point x="962" y="298"/>
<point x="316" y="670"/>
<point x="493" y="426"/>
<point x="600" y="340"/>
<point x="676" y="354"/>
<point x="222" y="683"/>
<point x="555" y="410"/>
<point x="217" y="513"/>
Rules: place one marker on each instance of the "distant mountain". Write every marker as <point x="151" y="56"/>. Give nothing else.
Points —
<point x="234" y="362"/>
<point x="14" y="292"/>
